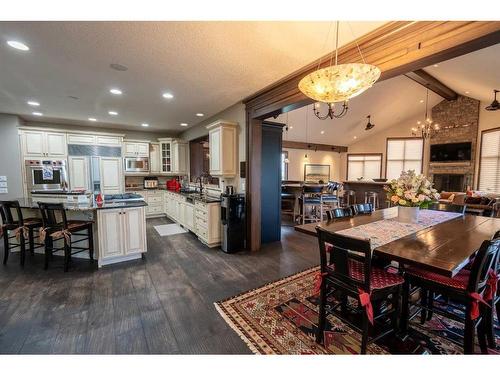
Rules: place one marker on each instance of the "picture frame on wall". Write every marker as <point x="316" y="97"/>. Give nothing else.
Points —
<point x="316" y="173"/>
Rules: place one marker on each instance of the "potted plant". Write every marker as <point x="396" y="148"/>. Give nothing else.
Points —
<point x="410" y="192"/>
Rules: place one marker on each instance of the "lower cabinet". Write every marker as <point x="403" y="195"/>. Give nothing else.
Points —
<point x="122" y="234"/>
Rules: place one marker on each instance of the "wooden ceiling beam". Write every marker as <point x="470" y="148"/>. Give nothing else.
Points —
<point x="432" y="83"/>
<point x="314" y="146"/>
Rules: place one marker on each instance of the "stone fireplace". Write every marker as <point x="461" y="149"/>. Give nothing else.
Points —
<point x="458" y="120"/>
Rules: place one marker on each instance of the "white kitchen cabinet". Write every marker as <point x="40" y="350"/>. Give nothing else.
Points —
<point x="136" y="149"/>
<point x="166" y="155"/>
<point x="44" y="144"/>
<point x="122" y="234"/>
<point x="154" y="158"/>
<point x="107" y="140"/>
<point x="223" y="143"/>
<point x="207" y="225"/>
<point x="155" y="201"/>
<point x="111" y="175"/>
<point x="79" y="173"/>
<point x="180" y="157"/>
<point x="81" y="139"/>
<point x="188" y="212"/>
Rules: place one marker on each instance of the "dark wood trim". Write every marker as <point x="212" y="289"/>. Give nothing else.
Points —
<point x="363" y="154"/>
<point x="314" y="146"/>
<point x="403" y="139"/>
<point x="481" y="153"/>
<point x="396" y="48"/>
<point x="432" y="83"/>
<point x="319" y="165"/>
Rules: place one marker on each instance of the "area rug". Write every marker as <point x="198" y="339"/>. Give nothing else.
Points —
<point x="281" y="318"/>
<point x="169" y="229"/>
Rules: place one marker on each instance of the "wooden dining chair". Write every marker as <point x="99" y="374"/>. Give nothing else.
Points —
<point x="58" y="227"/>
<point x="362" y="208"/>
<point x="15" y="225"/>
<point x="448" y="207"/>
<point x="339" y="212"/>
<point x="346" y="268"/>
<point x="467" y="289"/>
<point x="493" y="299"/>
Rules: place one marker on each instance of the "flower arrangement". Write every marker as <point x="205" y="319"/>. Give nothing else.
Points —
<point x="411" y="190"/>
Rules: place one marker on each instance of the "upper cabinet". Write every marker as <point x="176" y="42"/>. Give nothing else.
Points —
<point x="136" y="149"/>
<point x="173" y="156"/>
<point x="222" y="139"/>
<point x="43" y="144"/>
<point x="154" y="158"/>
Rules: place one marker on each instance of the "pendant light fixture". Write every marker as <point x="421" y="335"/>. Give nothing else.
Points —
<point x="369" y="125"/>
<point x="494" y="104"/>
<point x="426" y="128"/>
<point x="338" y="82"/>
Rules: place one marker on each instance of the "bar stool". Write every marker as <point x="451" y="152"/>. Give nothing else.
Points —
<point x="311" y="198"/>
<point x="57" y="227"/>
<point x="349" y="198"/>
<point x="22" y="228"/>
<point x="288" y="202"/>
<point x="372" y="197"/>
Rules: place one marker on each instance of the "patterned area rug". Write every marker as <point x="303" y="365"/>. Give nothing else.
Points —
<point x="281" y="318"/>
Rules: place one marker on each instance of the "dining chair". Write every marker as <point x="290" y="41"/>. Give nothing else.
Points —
<point x="288" y="202"/>
<point x="467" y="289"/>
<point x="362" y="208"/>
<point x="311" y="201"/>
<point x="346" y="268"/>
<point x="57" y="227"/>
<point x="493" y="299"/>
<point x="448" y="207"/>
<point x="339" y="212"/>
<point x="20" y="227"/>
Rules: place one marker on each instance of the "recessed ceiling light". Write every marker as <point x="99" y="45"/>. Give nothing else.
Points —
<point x="322" y="132"/>
<point x="200" y="114"/>
<point x="33" y="103"/>
<point x="115" y="91"/>
<point x="421" y="100"/>
<point x="291" y="127"/>
<point x="184" y="124"/>
<point x="113" y="113"/>
<point x="92" y="119"/>
<point x="467" y="92"/>
<point x="37" y="114"/>
<point x="436" y="65"/>
<point x="18" y="45"/>
<point x="355" y="137"/>
<point x="168" y="95"/>
<point x="144" y="124"/>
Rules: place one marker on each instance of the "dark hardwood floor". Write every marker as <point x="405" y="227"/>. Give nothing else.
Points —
<point x="162" y="304"/>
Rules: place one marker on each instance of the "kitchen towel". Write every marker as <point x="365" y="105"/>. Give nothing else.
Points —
<point x="169" y="229"/>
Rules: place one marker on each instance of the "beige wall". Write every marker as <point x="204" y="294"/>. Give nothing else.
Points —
<point x="235" y="113"/>
<point x="297" y="161"/>
<point x="487" y="120"/>
<point x="376" y="143"/>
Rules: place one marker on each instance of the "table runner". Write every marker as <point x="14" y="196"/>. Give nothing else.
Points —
<point x="384" y="231"/>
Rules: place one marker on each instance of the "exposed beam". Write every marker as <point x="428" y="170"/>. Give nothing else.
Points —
<point x="313" y="146"/>
<point x="432" y="83"/>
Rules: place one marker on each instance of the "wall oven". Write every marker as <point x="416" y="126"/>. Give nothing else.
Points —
<point x="137" y="165"/>
<point x="46" y="175"/>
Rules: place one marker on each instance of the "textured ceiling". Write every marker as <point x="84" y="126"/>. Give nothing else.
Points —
<point x="208" y="66"/>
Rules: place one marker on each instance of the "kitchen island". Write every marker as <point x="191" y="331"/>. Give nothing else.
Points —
<point x="362" y="186"/>
<point x="119" y="227"/>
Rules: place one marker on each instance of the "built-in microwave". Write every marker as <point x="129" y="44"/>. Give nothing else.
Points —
<point x="137" y="165"/>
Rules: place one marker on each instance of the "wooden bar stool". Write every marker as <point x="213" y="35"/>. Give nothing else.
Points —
<point x="372" y="197"/>
<point x="57" y="227"/>
<point x="349" y="198"/>
<point x="13" y="220"/>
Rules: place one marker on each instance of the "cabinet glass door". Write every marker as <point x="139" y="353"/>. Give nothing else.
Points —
<point x="166" y="157"/>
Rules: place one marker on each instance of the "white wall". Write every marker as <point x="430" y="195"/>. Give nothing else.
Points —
<point x="487" y="120"/>
<point x="235" y="113"/>
<point x="10" y="156"/>
<point x="376" y="143"/>
<point x="297" y="161"/>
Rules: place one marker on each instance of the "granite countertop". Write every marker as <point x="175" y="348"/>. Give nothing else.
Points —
<point x="366" y="182"/>
<point x="32" y="203"/>
<point x="59" y="192"/>
<point x="195" y="196"/>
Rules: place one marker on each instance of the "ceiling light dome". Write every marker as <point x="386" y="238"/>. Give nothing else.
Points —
<point x="18" y="45"/>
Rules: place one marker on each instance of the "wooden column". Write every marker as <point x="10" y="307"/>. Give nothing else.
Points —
<point x="253" y="173"/>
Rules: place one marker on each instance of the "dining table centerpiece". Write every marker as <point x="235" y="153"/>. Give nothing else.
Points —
<point x="410" y="192"/>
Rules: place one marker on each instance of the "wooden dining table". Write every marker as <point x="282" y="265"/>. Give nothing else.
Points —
<point x="444" y="248"/>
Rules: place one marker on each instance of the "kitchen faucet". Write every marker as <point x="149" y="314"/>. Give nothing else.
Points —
<point x="200" y="179"/>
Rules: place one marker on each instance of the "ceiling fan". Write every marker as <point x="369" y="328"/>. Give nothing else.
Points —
<point x="494" y="104"/>
<point x="369" y="125"/>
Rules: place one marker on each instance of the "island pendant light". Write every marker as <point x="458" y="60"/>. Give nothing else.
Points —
<point x="338" y="83"/>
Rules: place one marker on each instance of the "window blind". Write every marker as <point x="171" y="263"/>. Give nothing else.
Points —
<point x="489" y="173"/>
<point x="403" y="155"/>
<point x="366" y="166"/>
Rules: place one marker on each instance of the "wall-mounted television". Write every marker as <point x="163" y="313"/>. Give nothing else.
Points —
<point x="451" y="152"/>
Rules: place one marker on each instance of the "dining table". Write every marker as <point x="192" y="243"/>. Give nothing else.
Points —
<point x="442" y="242"/>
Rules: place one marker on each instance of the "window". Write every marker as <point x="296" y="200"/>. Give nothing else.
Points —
<point x="403" y="154"/>
<point x="367" y="166"/>
<point x="284" y="165"/>
<point x="489" y="164"/>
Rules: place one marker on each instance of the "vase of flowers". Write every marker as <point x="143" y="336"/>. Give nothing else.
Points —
<point x="410" y="192"/>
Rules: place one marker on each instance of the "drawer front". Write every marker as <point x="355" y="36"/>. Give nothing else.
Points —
<point x="201" y="213"/>
<point x="153" y="210"/>
<point x="200" y="205"/>
<point x="155" y="199"/>
<point x="203" y="233"/>
<point x="201" y="223"/>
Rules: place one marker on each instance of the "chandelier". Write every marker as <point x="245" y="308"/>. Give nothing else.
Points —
<point x="338" y="83"/>
<point x="428" y="127"/>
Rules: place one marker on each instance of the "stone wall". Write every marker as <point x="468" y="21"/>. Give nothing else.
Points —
<point x="458" y="120"/>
